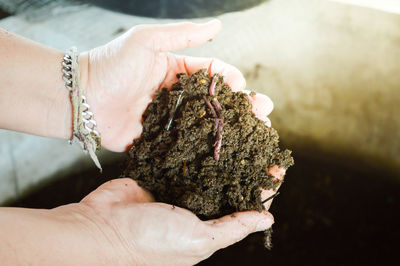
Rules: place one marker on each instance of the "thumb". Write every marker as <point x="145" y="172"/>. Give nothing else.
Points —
<point x="233" y="228"/>
<point x="122" y="190"/>
<point x="178" y="36"/>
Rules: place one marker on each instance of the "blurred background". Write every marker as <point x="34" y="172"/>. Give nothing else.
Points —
<point x="332" y="69"/>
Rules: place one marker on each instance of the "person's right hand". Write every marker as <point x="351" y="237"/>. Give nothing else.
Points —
<point x="126" y="227"/>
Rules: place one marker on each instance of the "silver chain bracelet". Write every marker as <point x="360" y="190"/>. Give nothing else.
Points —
<point x="84" y="126"/>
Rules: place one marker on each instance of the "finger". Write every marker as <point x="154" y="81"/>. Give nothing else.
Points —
<point x="232" y="228"/>
<point x="123" y="190"/>
<point x="262" y="106"/>
<point x="278" y="173"/>
<point x="190" y="65"/>
<point x="178" y="36"/>
<point x="265" y="194"/>
<point x="267" y="122"/>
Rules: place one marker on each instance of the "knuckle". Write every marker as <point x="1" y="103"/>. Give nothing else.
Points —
<point x="217" y="61"/>
<point x="140" y="28"/>
<point x="187" y="24"/>
<point x="142" y="33"/>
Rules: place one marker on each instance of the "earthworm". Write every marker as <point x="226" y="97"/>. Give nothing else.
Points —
<point x="212" y="86"/>
<point x="217" y="106"/>
<point x="219" y="119"/>
<point x="210" y="106"/>
<point x="215" y="101"/>
<point x="218" y="142"/>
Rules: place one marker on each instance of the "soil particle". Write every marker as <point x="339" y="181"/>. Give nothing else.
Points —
<point x="179" y="166"/>
<point x="268" y="238"/>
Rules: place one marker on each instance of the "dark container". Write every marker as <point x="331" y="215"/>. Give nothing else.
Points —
<point x="176" y="8"/>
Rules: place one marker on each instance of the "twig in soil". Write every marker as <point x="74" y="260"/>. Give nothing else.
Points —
<point x="218" y="142"/>
<point x="178" y="102"/>
<point x="210" y="106"/>
<point x="270" y="198"/>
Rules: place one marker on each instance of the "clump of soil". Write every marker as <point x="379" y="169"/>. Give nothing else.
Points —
<point x="176" y="157"/>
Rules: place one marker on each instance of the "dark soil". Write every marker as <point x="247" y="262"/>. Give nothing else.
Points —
<point x="178" y="158"/>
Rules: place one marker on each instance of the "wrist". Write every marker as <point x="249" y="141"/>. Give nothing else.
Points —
<point x="90" y="94"/>
<point x="84" y="237"/>
<point x="55" y="101"/>
<point x="45" y="237"/>
<point x="84" y="71"/>
<point x="65" y="99"/>
<point x="84" y="125"/>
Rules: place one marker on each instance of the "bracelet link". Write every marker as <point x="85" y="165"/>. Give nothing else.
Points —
<point x="84" y="126"/>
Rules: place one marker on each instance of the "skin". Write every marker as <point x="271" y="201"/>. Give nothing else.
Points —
<point x="119" y="223"/>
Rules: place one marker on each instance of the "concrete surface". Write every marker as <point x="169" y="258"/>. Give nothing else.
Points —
<point x="331" y="69"/>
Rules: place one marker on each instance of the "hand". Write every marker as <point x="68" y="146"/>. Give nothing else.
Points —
<point x="158" y="233"/>
<point x="128" y="227"/>
<point x="123" y="75"/>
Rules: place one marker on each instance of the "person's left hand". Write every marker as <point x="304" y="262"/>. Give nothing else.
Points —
<point x="121" y="77"/>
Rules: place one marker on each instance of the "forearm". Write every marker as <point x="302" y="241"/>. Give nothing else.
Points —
<point x="33" y="98"/>
<point x="47" y="237"/>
